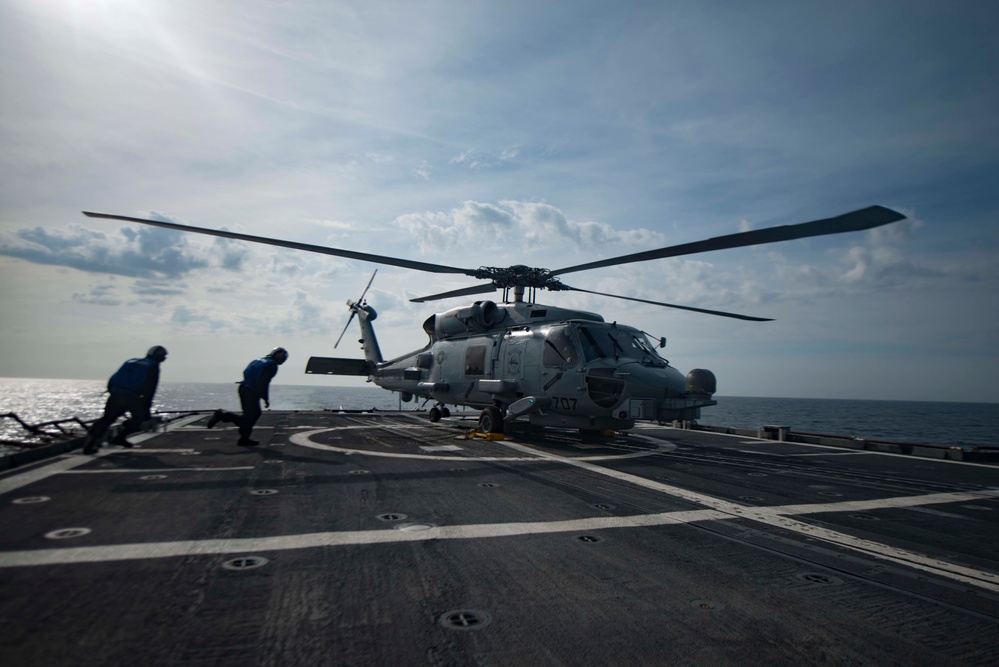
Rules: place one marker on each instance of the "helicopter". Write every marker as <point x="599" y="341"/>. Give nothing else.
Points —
<point x="518" y="359"/>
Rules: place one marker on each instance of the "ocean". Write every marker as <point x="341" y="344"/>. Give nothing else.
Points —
<point x="967" y="424"/>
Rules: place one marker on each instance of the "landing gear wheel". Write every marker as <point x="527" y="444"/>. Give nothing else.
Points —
<point x="491" y="420"/>
<point x="445" y="412"/>
<point x="435" y="414"/>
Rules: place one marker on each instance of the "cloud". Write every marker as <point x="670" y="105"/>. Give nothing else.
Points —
<point x="187" y="318"/>
<point x="379" y="158"/>
<point x="336" y="225"/>
<point x="304" y="315"/>
<point x="885" y="259"/>
<point x="495" y="226"/>
<point x="147" y="252"/>
<point x="478" y="161"/>
<point x="897" y="232"/>
<point x="423" y="170"/>
<point x="880" y="266"/>
<point x="99" y="295"/>
<point x="155" y="288"/>
<point x="470" y="160"/>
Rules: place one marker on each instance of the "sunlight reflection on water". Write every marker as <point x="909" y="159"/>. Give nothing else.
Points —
<point x="42" y="400"/>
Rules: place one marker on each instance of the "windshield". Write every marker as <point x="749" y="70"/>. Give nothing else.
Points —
<point x="600" y="342"/>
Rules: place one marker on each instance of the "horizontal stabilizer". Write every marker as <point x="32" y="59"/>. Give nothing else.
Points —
<point x="336" y="366"/>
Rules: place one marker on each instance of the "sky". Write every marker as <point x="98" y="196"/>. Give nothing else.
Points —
<point x="494" y="133"/>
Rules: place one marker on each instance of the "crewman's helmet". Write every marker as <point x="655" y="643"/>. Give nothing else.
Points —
<point x="278" y="354"/>
<point x="157" y="352"/>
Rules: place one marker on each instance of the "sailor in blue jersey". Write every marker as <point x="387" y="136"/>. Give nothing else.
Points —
<point x="131" y="390"/>
<point x="254" y="388"/>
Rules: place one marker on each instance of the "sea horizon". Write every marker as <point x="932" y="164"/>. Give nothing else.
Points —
<point x="952" y="423"/>
<point x="277" y="383"/>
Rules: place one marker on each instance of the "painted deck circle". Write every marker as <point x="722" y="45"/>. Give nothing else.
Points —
<point x="305" y="439"/>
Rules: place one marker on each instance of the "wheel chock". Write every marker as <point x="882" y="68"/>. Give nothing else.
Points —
<point x="486" y="436"/>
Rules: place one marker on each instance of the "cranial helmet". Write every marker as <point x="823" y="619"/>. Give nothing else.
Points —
<point x="157" y="352"/>
<point x="278" y="354"/>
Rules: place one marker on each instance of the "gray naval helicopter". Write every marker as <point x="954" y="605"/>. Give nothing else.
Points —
<point x="552" y="366"/>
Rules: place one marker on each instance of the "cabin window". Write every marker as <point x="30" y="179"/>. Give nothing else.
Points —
<point x="475" y="360"/>
<point x="560" y="349"/>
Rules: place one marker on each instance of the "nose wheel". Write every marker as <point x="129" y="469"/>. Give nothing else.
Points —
<point x="437" y="412"/>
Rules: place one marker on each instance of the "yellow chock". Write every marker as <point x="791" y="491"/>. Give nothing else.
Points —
<point x="486" y="436"/>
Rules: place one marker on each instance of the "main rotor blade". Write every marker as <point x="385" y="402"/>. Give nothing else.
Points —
<point x="475" y="289"/>
<point x="855" y="221"/>
<point x="323" y="250"/>
<point x="720" y="313"/>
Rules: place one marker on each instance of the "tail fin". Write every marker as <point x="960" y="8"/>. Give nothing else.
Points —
<point x="365" y="315"/>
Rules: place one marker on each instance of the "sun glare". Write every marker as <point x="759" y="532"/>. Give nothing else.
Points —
<point x="93" y="15"/>
<point x="148" y="31"/>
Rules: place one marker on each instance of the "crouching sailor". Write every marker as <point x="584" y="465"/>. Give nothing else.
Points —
<point x="254" y="388"/>
<point x="131" y="390"/>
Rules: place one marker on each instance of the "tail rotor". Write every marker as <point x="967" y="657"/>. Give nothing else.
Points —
<point x="353" y="308"/>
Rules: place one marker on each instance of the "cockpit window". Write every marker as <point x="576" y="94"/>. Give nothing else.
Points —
<point x="600" y="342"/>
<point x="595" y="343"/>
<point x="560" y="349"/>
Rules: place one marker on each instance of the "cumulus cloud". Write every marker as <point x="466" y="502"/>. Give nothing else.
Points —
<point x="881" y="265"/>
<point x="477" y="224"/>
<point x="882" y="259"/>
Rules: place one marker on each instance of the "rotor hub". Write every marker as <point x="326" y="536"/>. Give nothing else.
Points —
<point x="519" y="275"/>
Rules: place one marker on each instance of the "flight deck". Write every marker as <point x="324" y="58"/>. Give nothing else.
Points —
<point x="382" y="538"/>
